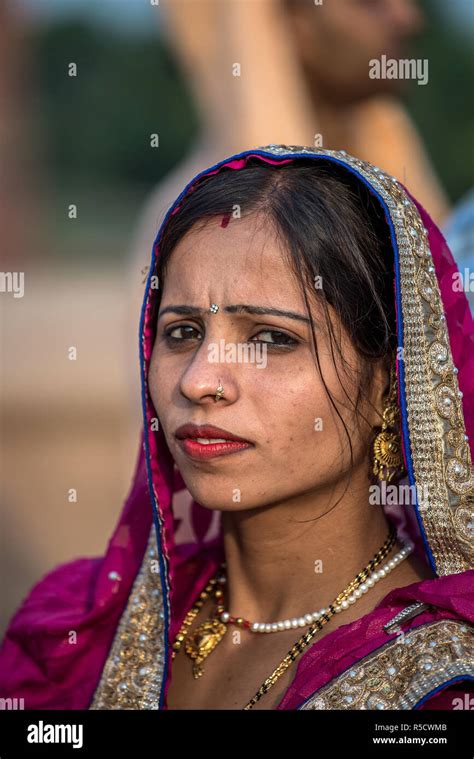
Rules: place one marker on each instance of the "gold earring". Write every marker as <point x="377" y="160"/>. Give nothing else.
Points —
<point x="387" y="451"/>
<point x="219" y="392"/>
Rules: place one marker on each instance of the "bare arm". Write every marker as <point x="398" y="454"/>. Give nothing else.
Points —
<point x="244" y="69"/>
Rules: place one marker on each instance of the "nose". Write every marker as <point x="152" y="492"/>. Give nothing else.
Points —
<point x="203" y="377"/>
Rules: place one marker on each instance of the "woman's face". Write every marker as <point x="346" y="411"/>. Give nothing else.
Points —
<point x="274" y="396"/>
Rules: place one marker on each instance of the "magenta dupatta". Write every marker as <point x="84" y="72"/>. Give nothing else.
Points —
<point x="42" y="661"/>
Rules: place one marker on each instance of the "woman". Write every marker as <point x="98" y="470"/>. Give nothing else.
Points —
<point x="302" y="354"/>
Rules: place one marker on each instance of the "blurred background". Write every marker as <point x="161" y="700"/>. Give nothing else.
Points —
<point x="107" y="110"/>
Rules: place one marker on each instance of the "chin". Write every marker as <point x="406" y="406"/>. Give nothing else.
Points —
<point x="217" y="492"/>
<point x="216" y="499"/>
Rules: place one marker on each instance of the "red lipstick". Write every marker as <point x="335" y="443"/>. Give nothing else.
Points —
<point x="206" y="441"/>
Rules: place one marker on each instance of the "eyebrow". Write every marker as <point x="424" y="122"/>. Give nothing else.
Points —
<point x="239" y="308"/>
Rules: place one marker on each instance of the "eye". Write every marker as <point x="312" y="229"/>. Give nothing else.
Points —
<point x="181" y="334"/>
<point x="276" y="338"/>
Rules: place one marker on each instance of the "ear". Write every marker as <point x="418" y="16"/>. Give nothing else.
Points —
<point x="380" y="388"/>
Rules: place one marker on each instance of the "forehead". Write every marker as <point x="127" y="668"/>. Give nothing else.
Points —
<point x="231" y="256"/>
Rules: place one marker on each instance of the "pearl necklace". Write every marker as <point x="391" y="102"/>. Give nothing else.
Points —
<point x="310" y="618"/>
<point x="202" y="641"/>
<point x="307" y="637"/>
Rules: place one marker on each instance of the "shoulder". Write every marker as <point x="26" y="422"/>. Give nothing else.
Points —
<point x="430" y="666"/>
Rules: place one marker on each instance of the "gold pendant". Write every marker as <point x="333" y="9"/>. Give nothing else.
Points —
<point x="203" y="641"/>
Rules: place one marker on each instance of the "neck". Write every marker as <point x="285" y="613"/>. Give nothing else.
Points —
<point x="295" y="557"/>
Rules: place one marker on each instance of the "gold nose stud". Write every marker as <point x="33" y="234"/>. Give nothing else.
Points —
<point x="219" y="392"/>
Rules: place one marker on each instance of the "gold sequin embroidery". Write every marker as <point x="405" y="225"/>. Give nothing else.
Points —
<point x="133" y="673"/>
<point x="404" y="670"/>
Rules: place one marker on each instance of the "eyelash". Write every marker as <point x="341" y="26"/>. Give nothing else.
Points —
<point x="180" y="341"/>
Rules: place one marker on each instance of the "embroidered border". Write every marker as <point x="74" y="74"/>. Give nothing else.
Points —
<point x="132" y="676"/>
<point x="404" y="670"/>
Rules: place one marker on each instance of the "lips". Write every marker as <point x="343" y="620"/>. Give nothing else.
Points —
<point x="206" y="441"/>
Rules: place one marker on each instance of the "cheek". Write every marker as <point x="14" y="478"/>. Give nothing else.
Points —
<point x="160" y="387"/>
<point x="301" y="427"/>
<point x="291" y="407"/>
